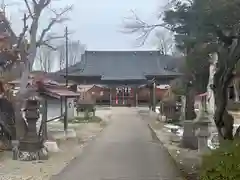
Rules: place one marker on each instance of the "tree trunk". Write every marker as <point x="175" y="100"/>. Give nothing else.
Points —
<point x="18" y="104"/>
<point x="23" y="93"/>
<point x="223" y="120"/>
<point x="236" y="90"/>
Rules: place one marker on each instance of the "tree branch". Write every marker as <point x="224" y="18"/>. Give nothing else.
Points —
<point x="49" y="46"/>
<point x="44" y="3"/>
<point x="29" y="9"/>
<point x="57" y="19"/>
<point x="136" y="25"/>
<point x="24" y="30"/>
<point x="34" y="2"/>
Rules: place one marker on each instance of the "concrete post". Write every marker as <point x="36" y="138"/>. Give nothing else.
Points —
<point x="44" y="113"/>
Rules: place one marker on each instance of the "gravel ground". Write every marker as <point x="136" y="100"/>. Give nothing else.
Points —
<point x="187" y="160"/>
<point x="43" y="170"/>
<point x="125" y="151"/>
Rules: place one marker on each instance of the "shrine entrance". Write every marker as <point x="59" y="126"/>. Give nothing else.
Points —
<point x="124" y="96"/>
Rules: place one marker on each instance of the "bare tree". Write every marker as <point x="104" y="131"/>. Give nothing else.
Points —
<point x="5" y="4"/>
<point x="75" y="50"/>
<point x="164" y="42"/>
<point x="45" y="58"/>
<point x="31" y="21"/>
<point x="61" y="56"/>
<point x="135" y="25"/>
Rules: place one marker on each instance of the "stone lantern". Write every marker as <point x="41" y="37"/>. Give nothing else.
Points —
<point x="31" y="145"/>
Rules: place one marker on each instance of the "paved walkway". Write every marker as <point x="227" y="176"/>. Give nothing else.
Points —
<point x="124" y="151"/>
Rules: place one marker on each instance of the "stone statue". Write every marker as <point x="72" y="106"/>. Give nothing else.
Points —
<point x="210" y="93"/>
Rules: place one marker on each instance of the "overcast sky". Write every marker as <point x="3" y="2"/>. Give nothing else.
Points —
<point x="97" y="23"/>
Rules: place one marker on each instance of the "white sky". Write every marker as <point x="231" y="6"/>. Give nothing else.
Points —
<point x="97" y="23"/>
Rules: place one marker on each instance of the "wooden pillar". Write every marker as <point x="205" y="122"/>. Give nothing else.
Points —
<point x="44" y="118"/>
<point x="66" y="115"/>
<point x="150" y="98"/>
<point x="136" y="96"/>
<point x="61" y="101"/>
<point x="110" y="96"/>
<point x="123" y="98"/>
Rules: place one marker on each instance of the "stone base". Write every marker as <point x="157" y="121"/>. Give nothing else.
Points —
<point x="42" y="154"/>
<point x="51" y="146"/>
<point x="189" y="139"/>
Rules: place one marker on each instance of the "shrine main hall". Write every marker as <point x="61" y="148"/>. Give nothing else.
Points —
<point x="120" y="77"/>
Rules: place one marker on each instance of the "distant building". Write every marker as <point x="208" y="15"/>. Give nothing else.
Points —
<point x="120" y="77"/>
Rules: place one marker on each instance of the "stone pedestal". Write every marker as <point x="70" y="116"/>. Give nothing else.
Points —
<point x="203" y="133"/>
<point x="189" y="139"/>
<point x="202" y="140"/>
<point x="51" y="146"/>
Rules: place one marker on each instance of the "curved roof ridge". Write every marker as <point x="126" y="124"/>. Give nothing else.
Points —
<point x="123" y="64"/>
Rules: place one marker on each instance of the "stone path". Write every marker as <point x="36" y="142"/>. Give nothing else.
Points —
<point x="124" y="151"/>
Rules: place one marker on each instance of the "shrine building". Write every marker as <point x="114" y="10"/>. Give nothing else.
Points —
<point x="120" y="77"/>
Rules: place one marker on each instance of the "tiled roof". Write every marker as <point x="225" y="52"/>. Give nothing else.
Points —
<point x="84" y="88"/>
<point x="57" y="92"/>
<point x="124" y="65"/>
